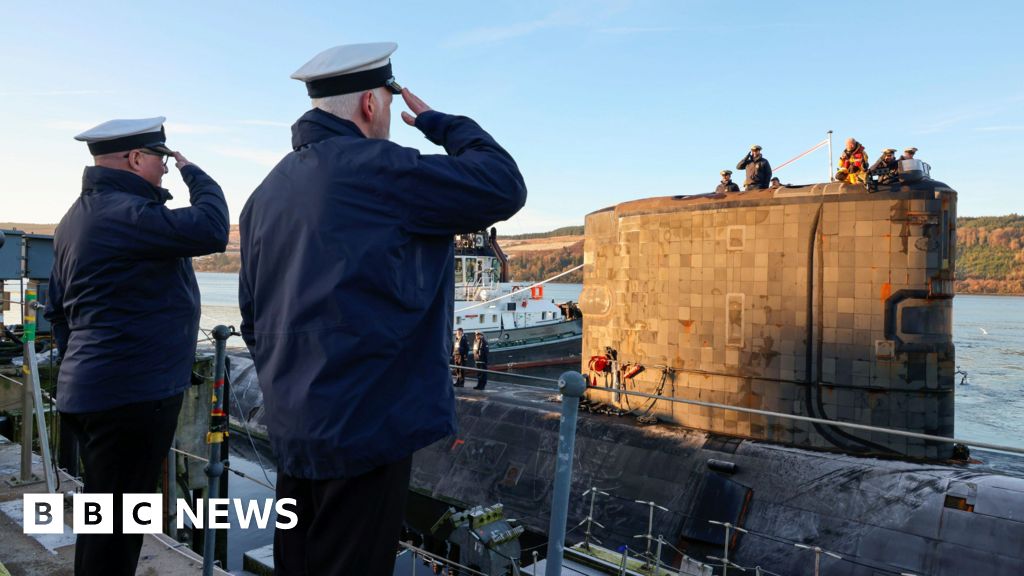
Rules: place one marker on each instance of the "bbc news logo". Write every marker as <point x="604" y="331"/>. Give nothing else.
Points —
<point x="143" y="513"/>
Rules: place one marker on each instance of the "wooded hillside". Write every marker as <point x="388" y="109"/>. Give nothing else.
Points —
<point x="990" y="253"/>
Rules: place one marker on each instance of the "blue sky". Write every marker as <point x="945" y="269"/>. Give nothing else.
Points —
<point x="599" y="101"/>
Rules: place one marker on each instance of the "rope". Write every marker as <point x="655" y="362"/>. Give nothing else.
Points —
<point x="226" y="466"/>
<point x="45" y="394"/>
<point x="442" y="559"/>
<point x="916" y="435"/>
<point x="801" y="155"/>
<point x="252" y="443"/>
<point x="929" y="437"/>
<point x="521" y="290"/>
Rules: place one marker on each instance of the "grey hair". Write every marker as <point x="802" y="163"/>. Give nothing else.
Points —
<point x="343" y="106"/>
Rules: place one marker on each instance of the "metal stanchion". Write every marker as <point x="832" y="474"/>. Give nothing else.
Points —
<point x="32" y="399"/>
<point x="572" y="386"/>
<point x="725" y="552"/>
<point x="215" y="437"/>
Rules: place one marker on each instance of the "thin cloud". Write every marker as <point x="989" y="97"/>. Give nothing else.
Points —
<point x="623" y="30"/>
<point x="580" y="14"/>
<point x="69" y="125"/>
<point x="1006" y="128"/>
<point x="262" y="157"/>
<point x="58" y="93"/>
<point x="980" y="110"/>
<point x="273" y="123"/>
<point x="500" y="33"/>
<point x="187" y="128"/>
<point x="173" y="127"/>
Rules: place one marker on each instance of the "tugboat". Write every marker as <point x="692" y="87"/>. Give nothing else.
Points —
<point x="522" y="327"/>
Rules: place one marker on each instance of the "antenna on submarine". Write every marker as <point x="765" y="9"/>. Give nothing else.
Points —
<point x="589" y="520"/>
<point x="650" y="525"/>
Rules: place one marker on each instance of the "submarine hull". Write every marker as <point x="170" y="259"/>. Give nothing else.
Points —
<point x="885" y="516"/>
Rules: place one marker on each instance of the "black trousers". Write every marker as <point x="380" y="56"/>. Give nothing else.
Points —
<point x="123" y="450"/>
<point x="346" y="526"/>
<point x="460" y="373"/>
<point x="481" y="377"/>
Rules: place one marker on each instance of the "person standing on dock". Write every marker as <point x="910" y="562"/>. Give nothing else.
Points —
<point x="124" y="305"/>
<point x="759" y="171"/>
<point x="460" y="351"/>
<point x="726" y="185"/>
<point x="347" y="301"/>
<point x="480" y="350"/>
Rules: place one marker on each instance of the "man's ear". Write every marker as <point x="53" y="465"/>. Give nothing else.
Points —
<point x="368" y="105"/>
<point x="133" y="160"/>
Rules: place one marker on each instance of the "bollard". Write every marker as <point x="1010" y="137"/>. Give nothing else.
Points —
<point x="572" y="386"/>
<point x="218" y="431"/>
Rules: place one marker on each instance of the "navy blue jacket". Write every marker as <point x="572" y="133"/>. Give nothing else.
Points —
<point x="123" y="298"/>
<point x="347" y="286"/>
<point x="759" y="172"/>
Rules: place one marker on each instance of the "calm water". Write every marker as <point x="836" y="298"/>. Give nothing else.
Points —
<point x="986" y="331"/>
<point x="990" y="348"/>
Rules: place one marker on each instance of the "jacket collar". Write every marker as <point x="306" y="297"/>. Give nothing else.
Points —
<point x="100" y="179"/>
<point x="317" y="126"/>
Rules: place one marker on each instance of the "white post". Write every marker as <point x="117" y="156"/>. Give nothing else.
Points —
<point x="44" y="437"/>
<point x="831" y="172"/>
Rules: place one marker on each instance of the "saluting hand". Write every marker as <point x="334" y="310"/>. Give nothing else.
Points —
<point x="180" y="161"/>
<point x="416" y="106"/>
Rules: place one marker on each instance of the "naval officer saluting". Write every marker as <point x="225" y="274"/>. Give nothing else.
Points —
<point x="124" y="304"/>
<point x="347" y="297"/>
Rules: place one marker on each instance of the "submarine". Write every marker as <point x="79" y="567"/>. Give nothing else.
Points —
<point x="831" y="301"/>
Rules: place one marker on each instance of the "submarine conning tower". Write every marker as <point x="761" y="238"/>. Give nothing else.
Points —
<point x="828" y="300"/>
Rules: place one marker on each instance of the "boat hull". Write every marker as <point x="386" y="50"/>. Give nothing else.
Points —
<point x="549" y="344"/>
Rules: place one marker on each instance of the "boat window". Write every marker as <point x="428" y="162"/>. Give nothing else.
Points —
<point x="471" y="269"/>
<point x="458" y="270"/>
<point x="458" y="320"/>
<point x="483" y="318"/>
<point x="494" y="317"/>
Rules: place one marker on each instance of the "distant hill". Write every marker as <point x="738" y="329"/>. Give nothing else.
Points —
<point x="29" y="228"/>
<point x="564" y="231"/>
<point x="990" y="257"/>
<point x="540" y="258"/>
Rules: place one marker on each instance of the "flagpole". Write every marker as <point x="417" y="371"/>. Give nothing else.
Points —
<point x="831" y="172"/>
